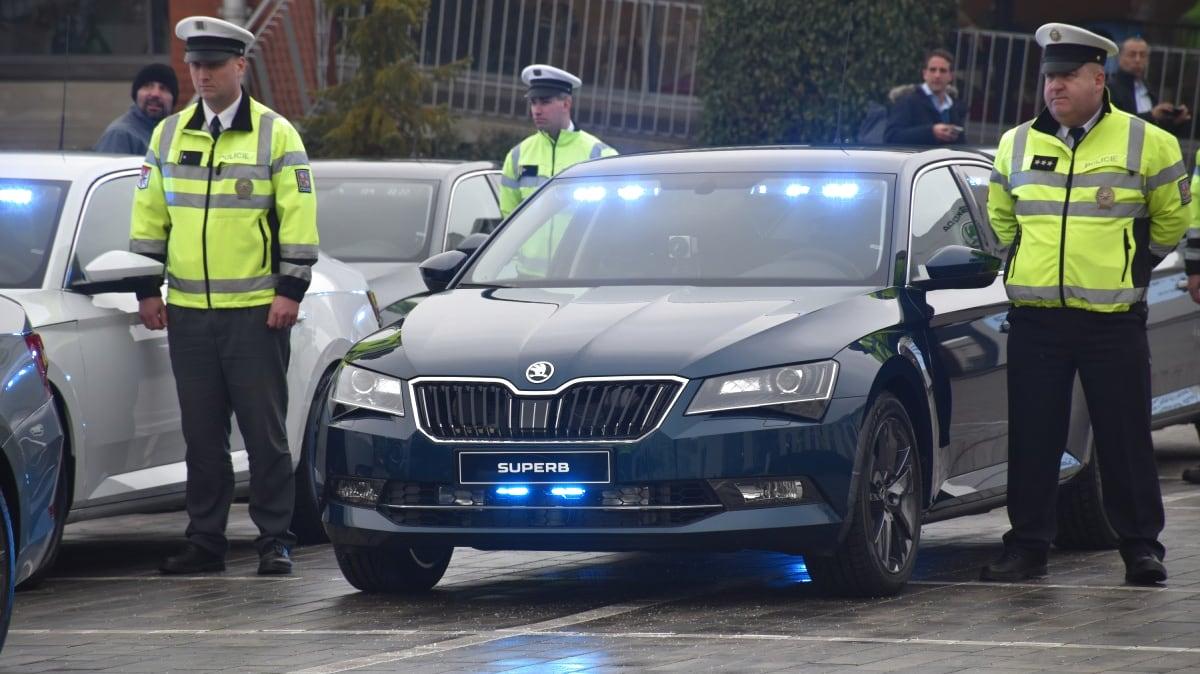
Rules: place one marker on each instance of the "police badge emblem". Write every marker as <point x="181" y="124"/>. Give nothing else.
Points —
<point x="1105" y="197"/>
<point x="244" y="188"/>
<point x="1055" y="35"/>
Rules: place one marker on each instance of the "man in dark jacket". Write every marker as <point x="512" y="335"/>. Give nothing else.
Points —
<point x="928" y="115"/>
<point x="154" y="92"/>
<point x="1127" y="89"/>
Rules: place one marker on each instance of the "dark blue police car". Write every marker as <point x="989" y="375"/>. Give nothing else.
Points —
<point x="792" y="349"/>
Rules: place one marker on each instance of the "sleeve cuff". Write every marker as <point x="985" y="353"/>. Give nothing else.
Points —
<point x="151" y="288"/>
<point x="291" y="287"/>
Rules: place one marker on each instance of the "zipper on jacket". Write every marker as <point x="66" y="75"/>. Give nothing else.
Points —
<point x="1125" y="268"/>
<point x="553" y="150"/>
<point x="204" y="227"/>
<point x="1062" y="241"/>
<point x="262" y="231"/>
<point x="219" y="167"/>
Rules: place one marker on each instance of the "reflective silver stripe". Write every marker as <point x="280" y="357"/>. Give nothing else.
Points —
<point x="597" y="150"/>
<point x="148" y="246"/>
<point x="532" y="181"/>
<point x="266" y="127"/>
<point x="1193" y="233"/>
<point x="1051" y="179"/>
<point x="289" y="159"/>
<point x="301" y="271"/>
<point x="222" y="285"/>
<point x="1166" y="176"/>
<point x="509" y="183"/>
<point x="1161" y="249"/>
<point x="164" y="138"/>
<point x="1001" y="180"/>
<point x="1089" y="295"/>
<point x="150" y="158"/>
<point x="172" y="170"/>
<point x="228" y="171"/>
<point x="1018" y="153"/>
<point x="1080" y="208"/>
<point x="1191" y="253"/>
<point x="187" y="200"/>
<point x="298" y="251"/>
<point x="516" y="159"/>
<point x="1137" y="139"/>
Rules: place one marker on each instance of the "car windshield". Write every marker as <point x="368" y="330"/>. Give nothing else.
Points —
<point x="697" y="229"/>
<point x="29" y="212"/>
<point x="374" y="220"/>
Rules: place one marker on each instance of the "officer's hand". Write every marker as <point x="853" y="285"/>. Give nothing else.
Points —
<point x="283" y="313"/>
<point x="1194" y="287"/>
<point x="153" y="313"/>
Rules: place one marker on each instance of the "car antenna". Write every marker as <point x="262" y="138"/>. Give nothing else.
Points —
<point x="62" y="115"/>
<point x="837" y="131"/>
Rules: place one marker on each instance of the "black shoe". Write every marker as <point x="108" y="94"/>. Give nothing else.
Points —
<point x="1144" y="569"/>
<point x="1014" y="565"/>
<point x="193" y="559"/>
<point x="1192" y="475"/>
<point x="275" y="561"/>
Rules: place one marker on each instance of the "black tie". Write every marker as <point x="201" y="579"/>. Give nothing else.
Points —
<point x="215" y="127"/>
<point x="1076" y="134"/>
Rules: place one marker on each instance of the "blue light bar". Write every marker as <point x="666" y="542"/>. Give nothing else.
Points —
<point x="589" y="194"/>
<point x="15" y="195"/>
<point x="631" y="192"/>
<point x="512" y="491"/>
<point x="796" y="189"/>
<point x="568" y="492"/>
<point x="839" y="190"/>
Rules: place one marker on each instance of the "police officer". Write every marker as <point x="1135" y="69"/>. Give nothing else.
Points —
<point x="556" y="146"/>
<point x="1090" y="198"/>
<point x="226" y="200"/>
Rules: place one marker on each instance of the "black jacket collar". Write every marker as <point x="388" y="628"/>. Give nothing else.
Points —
<point x="1046" y="123"/>
<point x="241" y="118"/>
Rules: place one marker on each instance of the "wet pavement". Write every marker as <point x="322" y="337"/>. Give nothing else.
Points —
<point x="105" y="608"/>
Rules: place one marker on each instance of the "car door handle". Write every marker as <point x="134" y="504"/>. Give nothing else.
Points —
<point x="1181" y="284"/>
<point x="301" y="317"/>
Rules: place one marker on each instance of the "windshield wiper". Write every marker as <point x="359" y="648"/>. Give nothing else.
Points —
<point x="483" y="285"/>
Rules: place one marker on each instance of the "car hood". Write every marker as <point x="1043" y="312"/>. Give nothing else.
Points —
<point x="612" y="331"/>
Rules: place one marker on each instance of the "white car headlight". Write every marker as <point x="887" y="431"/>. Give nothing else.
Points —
<point x="803" y="390"/>
<point x="357" y="387"/>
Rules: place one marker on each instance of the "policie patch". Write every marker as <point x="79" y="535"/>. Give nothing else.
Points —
<point x="144" y="178"/>
<point x="303" y="180"/>
<point x="1043" y="163"/>
<point x="1185" y="191"/>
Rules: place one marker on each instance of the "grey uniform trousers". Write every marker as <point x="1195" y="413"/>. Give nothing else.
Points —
<point x="228" y="360"/>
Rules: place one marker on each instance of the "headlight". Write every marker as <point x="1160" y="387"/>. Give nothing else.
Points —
<point x="357" y="387"/>
<point x="803" y="390"/>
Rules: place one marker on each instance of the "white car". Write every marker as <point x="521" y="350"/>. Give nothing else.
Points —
<point x="64" y="241"/>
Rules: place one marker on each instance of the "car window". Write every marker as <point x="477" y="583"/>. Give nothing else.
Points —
<point x="750" y="228"/>
<point x="105" y="222"/>
<point x="473" y="208"/>
<point x="29" y="213"/>
<point x="940" y="217"/>
<point x="370" y="220"/>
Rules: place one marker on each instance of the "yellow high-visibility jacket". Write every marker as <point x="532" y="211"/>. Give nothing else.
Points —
<point x="1191" y="251"/>
<point x="539" y="158"/>
<point x="235" y="218"/>
<point x="1087" y="225"/>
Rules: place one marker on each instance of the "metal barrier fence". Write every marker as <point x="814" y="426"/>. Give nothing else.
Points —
<point x="637" y="58"/>
<point x="1000" y="84"/>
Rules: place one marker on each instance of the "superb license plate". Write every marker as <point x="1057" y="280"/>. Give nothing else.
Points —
<point x="579" y="467"/>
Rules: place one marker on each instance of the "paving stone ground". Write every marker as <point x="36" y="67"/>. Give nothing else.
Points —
<point x="106" y="609"/>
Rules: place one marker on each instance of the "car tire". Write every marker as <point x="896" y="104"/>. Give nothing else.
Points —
<point x="393" y="570"/>
<point x="62" y="505"/>
<point x="310" y="501"/>
<point x="1082" y="521"/>
<point x="877" y="556"/>
<point x="8" y="567"/>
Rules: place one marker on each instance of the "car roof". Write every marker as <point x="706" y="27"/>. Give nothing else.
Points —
<point x="768" y="159"/>
<point x="418" y="169"/>
<point x="63" y="165"/>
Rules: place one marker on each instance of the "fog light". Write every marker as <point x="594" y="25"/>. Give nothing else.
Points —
<point x="461" y="497"/>
<point x="358" y="490"/>
<point x="761" y="492"/>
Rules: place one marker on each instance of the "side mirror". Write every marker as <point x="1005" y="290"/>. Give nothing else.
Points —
<point x="439" y="270"/>
<point x="472" y="243"/>
<point x="117" y="271"/>
<point x="959" y="267"/>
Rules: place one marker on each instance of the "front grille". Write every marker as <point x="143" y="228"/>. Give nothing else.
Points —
<point x="426" y="504"/>
<point x="604" y="410"/>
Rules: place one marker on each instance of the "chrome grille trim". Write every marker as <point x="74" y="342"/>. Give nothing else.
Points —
<point x="431" y="425"/>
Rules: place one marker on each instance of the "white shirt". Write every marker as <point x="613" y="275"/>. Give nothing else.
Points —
<point x="941" y="106"/>
<point x="1142" y="95"/>
<point x="1064" y="132"/>
<point x="226" y="116"/>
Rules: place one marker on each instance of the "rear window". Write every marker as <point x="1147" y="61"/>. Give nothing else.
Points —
<point x="366" y="220"/>
<point x="29" y="212"/>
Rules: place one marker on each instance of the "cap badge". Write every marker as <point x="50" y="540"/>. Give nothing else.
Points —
<point x="1055" y="35"/>
<point x="1105" y="197"/>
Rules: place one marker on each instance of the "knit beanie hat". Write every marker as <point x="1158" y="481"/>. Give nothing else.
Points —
<point x="156" y="72"/>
